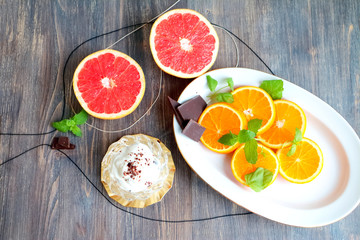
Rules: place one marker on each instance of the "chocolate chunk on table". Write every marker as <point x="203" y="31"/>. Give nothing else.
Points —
<point x="193" y="130"/>
<point x="61" y="143"/>
<point x="192" y="108"/>
<point x="64" y="142"/>
<point x="174" y="104"/>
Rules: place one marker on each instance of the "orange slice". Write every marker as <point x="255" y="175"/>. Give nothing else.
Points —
<point x="289" y="116"/>
<point x="304" y="165"/>
<point x="183" y="43"/>
<point x="254" y="102"/>
<point x="109" y="84"/>
<point x="266" y="159"/>
<point x="219" y="119"/>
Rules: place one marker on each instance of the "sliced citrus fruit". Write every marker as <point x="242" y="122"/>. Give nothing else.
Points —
<point x="304" y="165"/>
<point x="266" y="159"/>
<point x="109" y="84"/>
<point x="219" y="119"/>
<point x="289" y="116"/>
<point x="183" y="43"/>
<point x="255" y="103"/>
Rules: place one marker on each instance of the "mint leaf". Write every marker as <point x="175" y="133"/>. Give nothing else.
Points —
<point x="230" y="83"/>
<point x="273" y="87"/>
<point x="70" y="122"/>
<point x="298" y="136"/>
<point x="262" y="151"/>
<point x="228" y="139"/>
<point x="245" y="135"/>
<point x="295" y="141"/>
<point x="81" y="117"/>
<point x="259" y="179"/>
<point x="225" y="97"/>
<point x="254" y="125"/>
<point x="212" y="83"/>
<point x="61" y="126"/>
<point x="250" y="150"/>
<point x="66" y="125"/>
<point x="76" y="131"/>
<point x="292" y="150"/>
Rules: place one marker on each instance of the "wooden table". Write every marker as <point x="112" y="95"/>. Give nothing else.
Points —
<point x="314" y="44"/>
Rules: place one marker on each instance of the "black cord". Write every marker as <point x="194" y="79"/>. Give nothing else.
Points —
<point x="13" y="158"/>
<point x="233" y="34"/>
<point x="87" y="178"/>
<point x="116" y="206"/>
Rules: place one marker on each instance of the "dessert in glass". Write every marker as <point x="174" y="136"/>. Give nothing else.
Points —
<point x="137" y="171"/>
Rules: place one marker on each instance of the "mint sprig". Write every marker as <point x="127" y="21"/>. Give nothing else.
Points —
<point x="295" y="142"/>
<point x="259" y="179"/>
<point x="70" y="124"/>
<point x="247" y="137"/>
<point x="216" y="94"/>
<point x="273" y="87"/>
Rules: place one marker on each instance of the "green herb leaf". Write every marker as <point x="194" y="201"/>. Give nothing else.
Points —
<point x="245" y="135"/>
<point x="228" y="139"/>
<point x="81" y="117"/>
<point x="262" y="151"/>
<point x="250" y="150"/>
<point x="66" y="125"/>
<point x="61" y="126"/>
<point x="230" y="83"/>
<point x="76" y="131"/>
<point x="292" y="150"/>
<point x="273" y="87"/>
<point x="225" y="97"/>
<point x="254" y="125"/>
<point x="70" y="122"/>
<point x="212" y="83"/>
<point x="295" y="141"/>
<point x="298" y="136"/>
<point x="259" y="179"/>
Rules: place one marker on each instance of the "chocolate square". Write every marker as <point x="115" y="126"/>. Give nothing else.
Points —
<point x="193" y="130"/>
<point x="192" y="108"/>
<point x="174" y="104"/>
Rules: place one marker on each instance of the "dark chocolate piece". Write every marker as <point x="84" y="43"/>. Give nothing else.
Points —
<point x="174" y="104"/>
<point x="193" y="130"/>
<point x="64" y="142"/>
<point x="54" y="142"/>
<point x="61" y="143"/>
<point x="192" y="108"/>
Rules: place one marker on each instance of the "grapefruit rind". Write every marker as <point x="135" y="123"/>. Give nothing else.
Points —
<point x="122" y="113"/>
<point x="170" y="70"/>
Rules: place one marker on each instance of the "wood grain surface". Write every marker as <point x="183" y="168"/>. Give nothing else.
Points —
<point x="314" y="44"/>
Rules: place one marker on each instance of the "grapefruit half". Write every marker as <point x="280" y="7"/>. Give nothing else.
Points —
<point x="109" y="84"/>
<point x="183" y="43"/>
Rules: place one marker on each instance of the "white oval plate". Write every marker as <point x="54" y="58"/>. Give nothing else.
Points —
<point x="327" y="199"/>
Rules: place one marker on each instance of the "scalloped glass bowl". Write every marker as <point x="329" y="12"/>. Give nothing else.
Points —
<point x="152" y="194"/>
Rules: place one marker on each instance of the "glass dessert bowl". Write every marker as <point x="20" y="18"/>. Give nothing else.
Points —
<point x="137" y="171"/>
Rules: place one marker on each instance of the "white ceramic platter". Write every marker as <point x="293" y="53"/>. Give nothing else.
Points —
<point x="327" y="199"/>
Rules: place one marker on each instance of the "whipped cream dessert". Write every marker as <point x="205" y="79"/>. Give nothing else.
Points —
<point x="135" y="168"/>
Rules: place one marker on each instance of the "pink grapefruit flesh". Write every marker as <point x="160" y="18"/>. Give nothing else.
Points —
<point x="109" y="84"/>
<point x="183" y="43"/>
